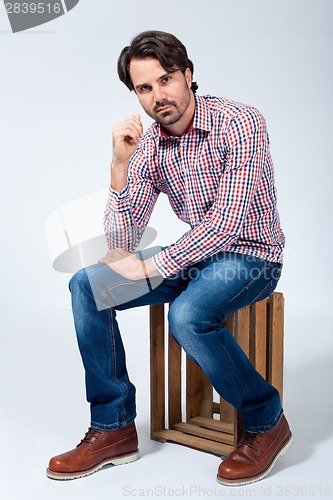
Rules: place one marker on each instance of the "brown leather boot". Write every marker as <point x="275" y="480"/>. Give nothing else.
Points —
<point x="96" y="449"/>
<point x="255" y="455"/>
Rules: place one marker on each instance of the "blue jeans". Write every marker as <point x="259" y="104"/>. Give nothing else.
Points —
<point x="202" y="296"/>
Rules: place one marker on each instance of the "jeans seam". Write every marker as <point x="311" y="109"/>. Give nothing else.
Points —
<point x="235" y="367"/>
<point x="250" y="283"/>
<point x="243" y="289"/>
<point x="269" y="285"/>
<point x="107" y="291"/>
<point x="113" y="366"/>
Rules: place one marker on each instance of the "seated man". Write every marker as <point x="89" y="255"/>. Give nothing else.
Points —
<point x="211" y="157"/>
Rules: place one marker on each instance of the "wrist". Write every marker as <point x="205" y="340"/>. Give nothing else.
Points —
<point x="119" y="171"/>
<point x="149" y="268"/>
<point x="119" y="164"/>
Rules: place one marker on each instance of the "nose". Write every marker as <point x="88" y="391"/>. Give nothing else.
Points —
<point x="159" y="94"/>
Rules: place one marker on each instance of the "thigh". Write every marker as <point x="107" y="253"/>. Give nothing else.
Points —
<point x="111" y="289"/>
<point x="225" y="283"/>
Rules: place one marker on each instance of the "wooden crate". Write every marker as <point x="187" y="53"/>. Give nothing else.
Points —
<point x="209" y="425"/>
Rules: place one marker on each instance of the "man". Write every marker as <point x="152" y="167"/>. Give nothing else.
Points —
<point x="211" y="157"/>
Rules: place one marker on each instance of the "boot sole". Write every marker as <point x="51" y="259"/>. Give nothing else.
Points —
<point x="120" y="460"/>
<point x="254" y="479"/>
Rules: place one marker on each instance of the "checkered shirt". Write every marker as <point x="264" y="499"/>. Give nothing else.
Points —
<point x="219" y="179"/>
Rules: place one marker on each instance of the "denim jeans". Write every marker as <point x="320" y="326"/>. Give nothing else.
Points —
<point x="202" y="296"/>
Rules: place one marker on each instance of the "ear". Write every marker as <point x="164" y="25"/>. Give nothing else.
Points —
<point x="188" y="77"/>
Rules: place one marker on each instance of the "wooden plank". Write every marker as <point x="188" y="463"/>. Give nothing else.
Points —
<point x="206" y="396"/>
<point x="276" y="341"/>
<point x="227" y="411"/>
<point x="199" y="392"/>
<point x="219" y="449"/>
<point x="216" y="408"/>
<point x="230" y="323"/>
<point x="211" y="423"/>
<point x="242" y="329"/>
<point x="242" y="335"/>
<point x="197" y="430"/>
<point x="174" y="381"/>
<point x="193" y="386"/>
<point x="258" y="336"/>
<point x="157" y="369"/>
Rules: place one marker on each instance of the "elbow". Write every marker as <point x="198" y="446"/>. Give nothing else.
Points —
<point x="224" y="226"/>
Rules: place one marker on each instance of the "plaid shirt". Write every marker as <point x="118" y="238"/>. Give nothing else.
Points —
<point x="219" y="179"/>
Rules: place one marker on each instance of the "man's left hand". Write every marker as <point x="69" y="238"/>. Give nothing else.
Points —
<point x="128" y="265"/>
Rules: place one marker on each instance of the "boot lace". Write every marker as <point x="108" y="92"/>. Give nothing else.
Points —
<point x="90" y="436"/>
<point x="250" y="439"/>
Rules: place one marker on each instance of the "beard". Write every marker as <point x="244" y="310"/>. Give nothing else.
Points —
<point x="169" y="116"/>
<point x="175" y="111"/>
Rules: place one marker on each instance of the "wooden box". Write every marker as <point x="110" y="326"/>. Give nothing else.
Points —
<point x="184" y="407"/>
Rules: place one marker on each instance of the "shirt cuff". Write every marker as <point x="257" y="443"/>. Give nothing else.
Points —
<point x="118" y="201"/>
<point x="165" y="264"/>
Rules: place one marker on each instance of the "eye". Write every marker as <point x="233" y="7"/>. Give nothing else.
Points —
<point x="166" y="79"/>
<point x="144" y="88"/>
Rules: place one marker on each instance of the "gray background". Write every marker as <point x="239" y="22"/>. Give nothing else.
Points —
<point x="59" y="97"/>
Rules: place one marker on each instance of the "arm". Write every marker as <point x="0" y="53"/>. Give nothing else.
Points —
<point x="125" y="140"/>
<point x="132" y="195"/>
<point x="247" y="146"/>
<point x="130" y="203"/>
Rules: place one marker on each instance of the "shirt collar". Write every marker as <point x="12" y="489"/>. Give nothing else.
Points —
<point x="201" y="119"/>
<point x="202" y="115"/>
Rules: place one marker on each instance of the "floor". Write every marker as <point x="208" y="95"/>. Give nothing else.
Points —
<point x="45" y="413"/>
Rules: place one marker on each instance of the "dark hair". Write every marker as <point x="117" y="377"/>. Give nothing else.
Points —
<point x="165" y="47"/>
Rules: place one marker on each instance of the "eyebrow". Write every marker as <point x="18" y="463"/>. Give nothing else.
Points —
<point x="137" y="87"/>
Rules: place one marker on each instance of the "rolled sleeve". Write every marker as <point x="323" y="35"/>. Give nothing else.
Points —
<point x="127" y="212"/>
<point x="165" y="263"/>
<point x="118" y="202"/>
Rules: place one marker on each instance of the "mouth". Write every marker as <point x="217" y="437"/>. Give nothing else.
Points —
<point x="163" y="109"/>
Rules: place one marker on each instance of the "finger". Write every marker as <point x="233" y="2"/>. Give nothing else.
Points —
<point x="137" y="120"/>
<point x="132" y="121"/>
<point x="138" y="126"/>
<point x="130" y="129"/>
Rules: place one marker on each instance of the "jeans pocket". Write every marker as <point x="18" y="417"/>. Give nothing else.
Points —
<point x="275" y="273"/>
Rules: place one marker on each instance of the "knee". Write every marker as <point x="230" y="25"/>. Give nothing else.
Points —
<point x="181" y="320"/>
<point x="78" y="281"/>
<point x="87" y="276"/>
<point x="190" y="320"/>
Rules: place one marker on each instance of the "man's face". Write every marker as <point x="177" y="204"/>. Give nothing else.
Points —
<point x="165" y="97"/>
